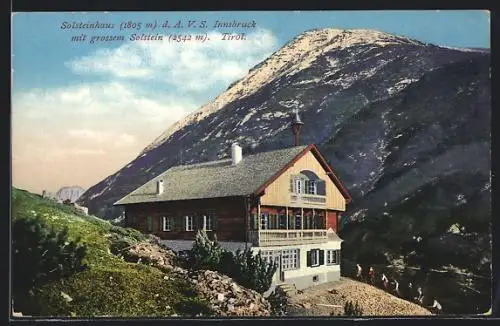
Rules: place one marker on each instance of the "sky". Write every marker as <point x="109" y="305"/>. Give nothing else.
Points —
<point x="81" y="110"/>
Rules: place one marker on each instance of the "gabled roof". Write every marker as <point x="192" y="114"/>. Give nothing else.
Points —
<point x="222" y="179"/>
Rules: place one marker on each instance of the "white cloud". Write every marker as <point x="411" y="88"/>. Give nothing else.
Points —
<point x="189" y="66"/>
<point x="86" y="120"/>
<point x="98" y="137"/>
<point x="99" y="100"/>
<point x="100" y="126"/>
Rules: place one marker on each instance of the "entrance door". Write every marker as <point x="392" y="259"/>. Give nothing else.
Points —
<point x="279" y="275"/>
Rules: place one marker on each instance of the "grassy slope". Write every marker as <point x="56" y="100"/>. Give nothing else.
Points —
<point x="110" y="286"/>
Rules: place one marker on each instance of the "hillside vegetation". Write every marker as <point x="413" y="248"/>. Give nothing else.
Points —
<point x="109" y="286"/>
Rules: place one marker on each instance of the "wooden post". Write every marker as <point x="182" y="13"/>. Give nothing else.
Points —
<point x="287" y="217"/>
<point x="302" y="218"/>
<point x="258" y="217"/>
<point x="326" y="218"/>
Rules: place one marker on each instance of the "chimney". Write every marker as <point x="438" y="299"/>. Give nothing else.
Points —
<point x="296" y="126"/>
<point x="236" y="154"/>
<point x="159" y="187"/>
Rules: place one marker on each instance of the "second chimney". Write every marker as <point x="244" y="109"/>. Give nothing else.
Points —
<point x="236" y="154"/>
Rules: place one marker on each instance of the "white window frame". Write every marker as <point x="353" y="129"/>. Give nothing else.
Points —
<point x="314" y="257"/>
<point x="264" y="221"/>
<point x="267" y="255"/>
<point x="208" y="222"/>
<point x="167" y="223"/>
<point x="298" y="185"/>
<point x="189" y="222"/>
<point x="332" y="257"/>
<point x="290" y="259"/>
<point x="312" y="187"/>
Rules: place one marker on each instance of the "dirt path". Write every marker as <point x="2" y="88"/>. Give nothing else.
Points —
<point x="373" y="301"/>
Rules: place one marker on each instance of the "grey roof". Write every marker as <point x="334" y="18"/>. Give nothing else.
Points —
<point x="332" y="236"/>
<point x="214" y="179"/>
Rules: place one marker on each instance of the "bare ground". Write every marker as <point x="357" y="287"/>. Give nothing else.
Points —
<point x="373" y="301"/>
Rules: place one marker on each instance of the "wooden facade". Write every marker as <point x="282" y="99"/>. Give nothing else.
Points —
<point x="229" y="217"/>
<point x="278" y="192"/>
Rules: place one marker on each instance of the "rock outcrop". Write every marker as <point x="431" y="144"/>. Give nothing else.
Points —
<point x="224" y="295"/>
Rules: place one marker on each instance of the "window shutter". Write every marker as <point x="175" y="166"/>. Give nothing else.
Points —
<point x="292" y="183"/>
<point x="172" y="223"/>
<point x="198" y="222"/>
<point x="150" y="223"/>
<point x="321" y="257"/>
<point x="214" y="222"/>
<point x="185" y="222"/>
<point x="308" y="263"/>
<point x="321" y="187"/>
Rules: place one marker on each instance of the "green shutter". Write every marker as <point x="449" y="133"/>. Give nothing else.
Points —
<point x="321" y="187"/>
<point x="214" y="222"/>
<point x="321" y="257"/>
<point x="197" y="222"/>
<point x="150" y="223"/>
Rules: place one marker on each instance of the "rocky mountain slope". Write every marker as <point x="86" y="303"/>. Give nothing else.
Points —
<point x="72" y="193"/>
<point x="405" y="124"/>
<point x="69" y="192"/>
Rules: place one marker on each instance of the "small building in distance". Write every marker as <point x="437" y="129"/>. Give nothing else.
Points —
<point x="285" y="204"/>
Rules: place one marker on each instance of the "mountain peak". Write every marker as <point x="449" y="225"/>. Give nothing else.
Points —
<point x="296" y="55"/>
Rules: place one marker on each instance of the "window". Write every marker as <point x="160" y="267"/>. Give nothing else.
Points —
<point x="315" y="257"/>
<point x="264" y="221"/>
<point x="290" y="259"/>
<point x="311" y="187"/>
<point x="150" y="223"/>
<point x="315" y="278"/>
<point x="282" y="222"/>
<point x="167" y="223"/>
<point x="298" y="221"/>
<point x="208" y="222"/>
<point x="189" y="223"/>
<point x="267" y="255"/>
<point x="298" y="185"/>
<point x="333" y="257"/>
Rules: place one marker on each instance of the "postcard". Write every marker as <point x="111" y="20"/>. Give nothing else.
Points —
<point x="251" y="164"/>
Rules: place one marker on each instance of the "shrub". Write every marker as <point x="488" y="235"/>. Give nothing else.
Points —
<point x="205" y="254"/>
<point x="252" y="271"/>
<point x="279" y="301"/>
<point x="118" y="243"/>
<point x="247" y="269"/>
<point x="41" y="255"/>
<point x="351" y="309"/>
<point x="128" y="232"/>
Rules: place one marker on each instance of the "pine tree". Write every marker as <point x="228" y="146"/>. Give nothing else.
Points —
<point x="39" y="255"/>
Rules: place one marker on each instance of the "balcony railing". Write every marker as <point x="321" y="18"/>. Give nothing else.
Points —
<point x="309" y="200"/>
<point x="262" y="238"/>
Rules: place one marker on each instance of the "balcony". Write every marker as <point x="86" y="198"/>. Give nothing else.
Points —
<point x="263" y="238"/>
<point x="306" y="200"/>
